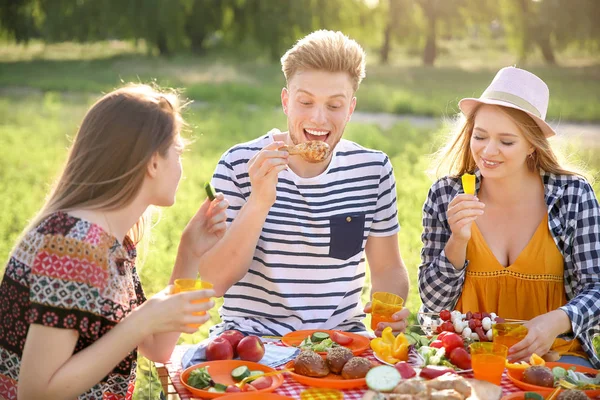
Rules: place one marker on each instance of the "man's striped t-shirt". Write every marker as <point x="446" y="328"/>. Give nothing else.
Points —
<point x="308" y="269"/>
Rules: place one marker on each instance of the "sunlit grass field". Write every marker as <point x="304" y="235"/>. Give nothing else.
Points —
<point x="43" y="99"/>
<point x="404" y="87"/>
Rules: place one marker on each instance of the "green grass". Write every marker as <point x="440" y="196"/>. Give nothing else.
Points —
<point x="402" y="88"/>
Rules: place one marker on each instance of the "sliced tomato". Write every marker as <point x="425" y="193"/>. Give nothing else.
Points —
<point x="340" y="338"/>
<point x="262" y="383"/>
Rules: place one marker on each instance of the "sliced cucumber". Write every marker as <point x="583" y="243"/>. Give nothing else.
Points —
<point x="210" y="191"/>
<point x="220" y="387"/>
<point x="383" y="378"/>
<point x="240" y="373"/>
<point x="319" y="337"/>
<point x="255" y="373"/>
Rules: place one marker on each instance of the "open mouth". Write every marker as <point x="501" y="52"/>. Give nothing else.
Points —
<point x="316" y="134"/>
<point x="489" y="163"/>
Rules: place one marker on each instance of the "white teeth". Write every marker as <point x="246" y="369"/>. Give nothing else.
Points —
<point x="317" y="133"/>
<point x="490" y="163"/>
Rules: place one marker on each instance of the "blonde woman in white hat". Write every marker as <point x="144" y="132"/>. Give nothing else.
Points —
<point x="526" y="245"/>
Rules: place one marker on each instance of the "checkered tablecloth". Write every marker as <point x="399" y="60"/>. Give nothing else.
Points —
<point x="290" y="387"/>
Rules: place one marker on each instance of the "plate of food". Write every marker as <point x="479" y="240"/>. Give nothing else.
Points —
<point x="214" y="379"/>
<point x="338" y="369"/>
<point x="322" y="340"/>
<point x="553" y="374"/>
<point x="385" y="382"/>
<point x="454" y="367"/>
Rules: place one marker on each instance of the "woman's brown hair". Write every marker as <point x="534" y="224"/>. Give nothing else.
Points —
<point x="107" y="161"/>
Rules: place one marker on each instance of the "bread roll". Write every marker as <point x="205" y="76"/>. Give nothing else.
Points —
<point x="309" y="363"/>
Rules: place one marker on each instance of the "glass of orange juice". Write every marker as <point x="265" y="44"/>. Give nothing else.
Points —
<point x="488" y="360"/>
<point x="508" y="334"/>
<point x="383" y="306"/>
<point x="188" y="285"/>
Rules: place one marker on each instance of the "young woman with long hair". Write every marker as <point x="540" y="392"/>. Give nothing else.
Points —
<point x="526" y="245"/>
<point x="72" y="307"/>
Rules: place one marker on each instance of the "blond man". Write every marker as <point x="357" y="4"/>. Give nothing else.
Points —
<point x="298" y="231"/>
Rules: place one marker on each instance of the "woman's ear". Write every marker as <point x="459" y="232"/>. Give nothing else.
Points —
<point x="152" y="167"/>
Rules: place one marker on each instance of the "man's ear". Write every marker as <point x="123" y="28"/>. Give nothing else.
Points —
<point x="352" y="107"/>
<point x="285" y="98"/>
<point x="152" y="166"/>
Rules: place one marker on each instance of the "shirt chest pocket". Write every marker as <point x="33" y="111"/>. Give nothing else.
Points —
<point x="346" y="235"/>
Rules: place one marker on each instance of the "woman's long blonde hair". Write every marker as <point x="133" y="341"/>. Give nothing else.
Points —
<point x="455" y="157"/>
<point x="107" y="161"/>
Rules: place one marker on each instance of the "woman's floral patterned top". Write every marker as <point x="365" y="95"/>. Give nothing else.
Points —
<point x="68" y="273"/>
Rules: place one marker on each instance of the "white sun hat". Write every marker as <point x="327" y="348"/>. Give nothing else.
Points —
<point x="519" y="89"/>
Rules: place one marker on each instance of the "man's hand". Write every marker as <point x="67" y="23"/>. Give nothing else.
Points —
<point x="399" y="324"/>
<point x="263" y="170"/>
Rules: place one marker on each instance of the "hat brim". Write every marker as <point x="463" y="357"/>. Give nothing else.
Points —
<point x="466" y="107"/>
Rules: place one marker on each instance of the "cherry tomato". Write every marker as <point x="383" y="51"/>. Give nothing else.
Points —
<point x="452" y="341"/>
<point x="447" y="326"/>
<point x="436" y="344"/>
<point x="445" y="315"/>
<point x="441" y="335"/>
<point x="460" y="358"/>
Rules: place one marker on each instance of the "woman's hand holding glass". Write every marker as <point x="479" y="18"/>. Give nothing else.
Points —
<point x="463" y="210"/>
<point x="165" y="312"/>
<point x="542" y="330"/>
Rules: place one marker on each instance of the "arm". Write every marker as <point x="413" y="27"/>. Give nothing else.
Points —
<point x="228" y="261"/>
<point x="202" y="232"/>
<point x="49" y="368"/>
<point x="440" y="283"/>
<point x="388" y="273"/>
<point x="583" y="264"/>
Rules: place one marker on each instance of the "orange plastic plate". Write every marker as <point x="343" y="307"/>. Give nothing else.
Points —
<point x="220" y="372"/>
<point x="358" y="345"/>
<point x="332" y="381"/>
<point x="517" y="378"/>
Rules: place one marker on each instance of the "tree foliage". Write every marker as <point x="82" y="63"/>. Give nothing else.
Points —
<point x="170" y="26"/>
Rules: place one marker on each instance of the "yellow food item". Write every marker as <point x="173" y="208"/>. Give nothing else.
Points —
<point x="536" y="360"/>
<point x="468" y="183"/>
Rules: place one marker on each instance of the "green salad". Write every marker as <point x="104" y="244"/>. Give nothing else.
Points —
<point x="318" y="341"/>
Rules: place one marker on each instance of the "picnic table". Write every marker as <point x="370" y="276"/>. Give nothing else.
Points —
<point x="290" y="387"/>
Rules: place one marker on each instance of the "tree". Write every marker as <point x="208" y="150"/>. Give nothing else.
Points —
<point x="18" y="19"/>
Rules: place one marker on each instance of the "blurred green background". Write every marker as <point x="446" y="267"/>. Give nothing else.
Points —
<point x="58" y="56"/>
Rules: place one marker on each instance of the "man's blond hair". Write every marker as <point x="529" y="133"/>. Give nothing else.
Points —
<point x="328" y="51"/>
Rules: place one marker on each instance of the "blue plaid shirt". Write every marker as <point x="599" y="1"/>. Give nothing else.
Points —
<point x="574" y="222"/>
